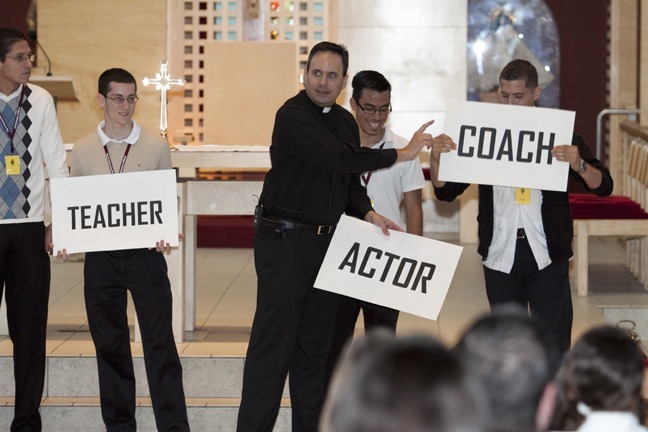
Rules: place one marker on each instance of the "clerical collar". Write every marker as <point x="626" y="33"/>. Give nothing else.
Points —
<point x="130" y="139"/>
<point x="326" y="110"/>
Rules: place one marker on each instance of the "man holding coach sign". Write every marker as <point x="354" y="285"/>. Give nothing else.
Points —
<point x="120" y="145"/>
<point x="525" y="228"/>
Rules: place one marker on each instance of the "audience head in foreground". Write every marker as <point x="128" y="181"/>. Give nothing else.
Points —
<point x="388" y="384"/>
<point x="513" y="359"/>
<point x="600" y="383"/>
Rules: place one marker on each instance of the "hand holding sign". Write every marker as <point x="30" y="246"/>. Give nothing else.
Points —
<point x="382" y="222"/>
<point x="163" y="247"/>
<point x="441" y="144"/>
<point x="567" y="153"/>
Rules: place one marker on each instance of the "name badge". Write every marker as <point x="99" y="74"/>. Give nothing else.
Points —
<point x="12" y="163"/>
<point x="522" y="195"/>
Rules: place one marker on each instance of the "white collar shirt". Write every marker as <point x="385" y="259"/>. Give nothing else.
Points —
<point x="130" y="139"/>
<point x="507" y="218"/>
<point x="608" y="421"/>
<point x="386" y="187"/>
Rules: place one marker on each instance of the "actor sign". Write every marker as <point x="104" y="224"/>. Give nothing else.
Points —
<point x="400" y="271"/>
<point x="114" y="212"/>
<point x="506" y="145"/>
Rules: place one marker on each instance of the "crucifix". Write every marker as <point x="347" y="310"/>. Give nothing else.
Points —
<point x="163" y="82"/>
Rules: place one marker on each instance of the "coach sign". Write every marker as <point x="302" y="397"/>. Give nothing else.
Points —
<point x="114" y="211"/>
<point x="506" y="145"/>
<point x="400" y="271"/>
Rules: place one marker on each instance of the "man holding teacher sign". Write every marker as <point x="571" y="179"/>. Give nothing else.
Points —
<point x="525" y="233"/>
<point x="119" y="145"/>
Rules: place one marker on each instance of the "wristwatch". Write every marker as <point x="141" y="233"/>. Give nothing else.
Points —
<point x="582" y="167"/>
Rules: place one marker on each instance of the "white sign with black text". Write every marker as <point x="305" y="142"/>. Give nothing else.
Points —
<point x="506" y="145"/>
<point x="401" y="271"/>
<point x="114" y="211"/>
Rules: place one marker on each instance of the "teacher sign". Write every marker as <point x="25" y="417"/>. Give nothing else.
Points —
<point x="114" y="211"/>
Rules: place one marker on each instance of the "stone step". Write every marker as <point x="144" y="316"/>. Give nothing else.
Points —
<point x="83" y="414"/>
<point x="212" y="387"/>
<point x="75" y="376"/>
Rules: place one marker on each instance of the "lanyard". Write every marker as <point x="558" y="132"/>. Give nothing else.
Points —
<point x="123" y="162"/>
<point x="11" y="133"/>
<point x="367" y="177"/>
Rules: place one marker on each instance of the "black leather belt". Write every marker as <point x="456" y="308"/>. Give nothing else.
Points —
<point x="521" y="234"/>
<point x="288" y="224"/>
<point x="317" y="229"/>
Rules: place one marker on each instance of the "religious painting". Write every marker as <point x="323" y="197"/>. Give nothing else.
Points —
<point x="252" y="9"/>
<point x="503" y="30"/>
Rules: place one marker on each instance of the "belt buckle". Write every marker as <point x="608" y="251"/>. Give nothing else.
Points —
<point x="323" y="229"/>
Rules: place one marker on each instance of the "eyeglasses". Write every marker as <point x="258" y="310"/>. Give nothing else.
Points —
<point x="22" y="58"/>
<point x="120" y="99"/>
<point x="383" y="110"/>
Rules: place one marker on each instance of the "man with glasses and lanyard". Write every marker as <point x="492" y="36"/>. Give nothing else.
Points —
<point x="120" y="145"/>
<point x="29" y="138"/>
<point x="371" y="103"/>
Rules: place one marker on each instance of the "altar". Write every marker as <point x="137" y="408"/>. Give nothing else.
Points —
<point x="207" y="197"/>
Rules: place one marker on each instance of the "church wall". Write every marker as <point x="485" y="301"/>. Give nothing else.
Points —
<point x="258" y="77"/>
<point x="584" y="78"/>
<point x="13" y="16"/>
<point x="419" y="46"/>
<point x="85" y="38"/>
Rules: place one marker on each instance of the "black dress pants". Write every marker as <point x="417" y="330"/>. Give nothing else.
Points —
<point x="545" y="292"/>
<point x="346" y="316"/>
<point x="291" y="333"/>
<point x="25" y="276"/>
<point x="144" y="273"/>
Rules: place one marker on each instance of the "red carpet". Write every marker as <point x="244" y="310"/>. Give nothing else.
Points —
<point x="225" y="232"/>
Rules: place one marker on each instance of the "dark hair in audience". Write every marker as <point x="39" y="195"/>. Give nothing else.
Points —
<point x="117" y="75"/>
<point x="604" y="371"/>
<point x="8" y="37"/>
<point x="338" y="49"/>
<point x="512" y="357"/>
<point x="387" y="384"/>
<point x="519" y="69"/>
<point x="370" y="80"/>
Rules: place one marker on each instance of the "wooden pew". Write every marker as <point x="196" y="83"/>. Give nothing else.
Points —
<point x="618" y="216"/>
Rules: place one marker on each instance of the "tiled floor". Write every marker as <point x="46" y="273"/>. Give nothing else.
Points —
<point x="226" y="284"/>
